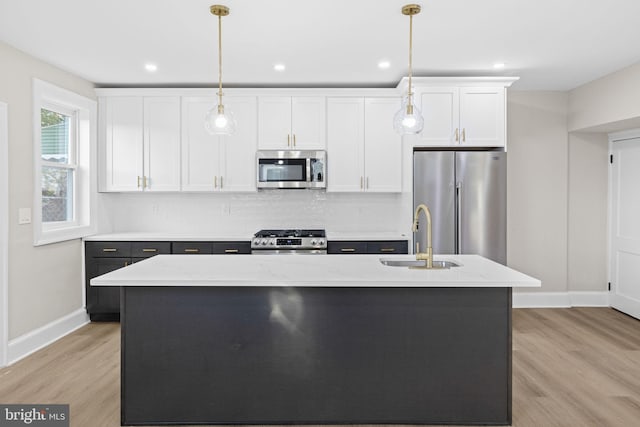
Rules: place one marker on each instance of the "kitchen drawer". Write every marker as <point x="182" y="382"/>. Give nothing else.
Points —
<point x="231" y="247"/>
<point x="148" y="249"/>
<point x="107" y="249"/>
<point x="191" y="247"/>
<point x="388" y="247"/>
<point x="346" y="247"/>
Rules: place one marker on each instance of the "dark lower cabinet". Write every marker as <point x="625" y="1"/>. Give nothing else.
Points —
<point x="368" y="247"/>
<point x="103" y="302"/>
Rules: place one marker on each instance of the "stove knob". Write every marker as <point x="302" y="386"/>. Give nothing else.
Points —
<point x="264" y="242"/>
<point x="321" y="242"/>
<point x="272" y="242"/>
<point x="314" y="242"/>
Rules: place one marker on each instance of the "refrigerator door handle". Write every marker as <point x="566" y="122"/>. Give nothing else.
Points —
<point x="458" y="217"/>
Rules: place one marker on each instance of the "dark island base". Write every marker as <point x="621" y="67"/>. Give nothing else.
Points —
<point x="258" y="355"/>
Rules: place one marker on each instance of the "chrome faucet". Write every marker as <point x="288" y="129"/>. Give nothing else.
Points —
<point x="426" y="256"/>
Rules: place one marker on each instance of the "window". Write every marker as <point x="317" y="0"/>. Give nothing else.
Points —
<point x="64" y="144"/>
<point x="58" y="146"/>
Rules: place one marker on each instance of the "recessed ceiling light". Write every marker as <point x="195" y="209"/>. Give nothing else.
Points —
<point x="383" y="65"/>
<point x="152" y="68"/>
<point x="279" y="67"/>
<point x="498" y="65"/>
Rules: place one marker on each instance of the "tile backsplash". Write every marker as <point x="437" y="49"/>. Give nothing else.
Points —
<point x="239" y="214"/>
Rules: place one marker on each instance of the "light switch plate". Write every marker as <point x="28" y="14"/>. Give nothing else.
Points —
<point x="24" y="216"/>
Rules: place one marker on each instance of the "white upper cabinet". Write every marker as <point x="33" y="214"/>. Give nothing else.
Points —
<point x="345" y="144"/>
<point x="482" y="116"/>
<point x="383" y="146"/>
<point x="140" y="143"/>
<point x="363" y="151"/>
<point x="291" y="123"/>
<point x="462" y="116"/>
<point x="219" y="163"/>
<point x="161" y="143"/>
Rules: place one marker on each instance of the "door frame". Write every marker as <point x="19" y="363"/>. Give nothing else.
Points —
<point x="613" y="139"/>
<point x="4" y="233"/>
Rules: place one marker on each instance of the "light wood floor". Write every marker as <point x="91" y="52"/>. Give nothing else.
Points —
<point x="571" y="367"/>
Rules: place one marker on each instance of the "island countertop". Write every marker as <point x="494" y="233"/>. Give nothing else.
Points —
<point x="311" y="271"/>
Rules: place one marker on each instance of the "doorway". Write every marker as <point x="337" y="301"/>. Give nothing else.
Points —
<point x="624" y="232"/>
<point x="4" y="233"/>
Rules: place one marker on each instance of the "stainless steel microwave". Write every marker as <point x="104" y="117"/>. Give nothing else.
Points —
<point x="291" y="169"/>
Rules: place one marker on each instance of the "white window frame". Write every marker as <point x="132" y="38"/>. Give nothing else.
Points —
<point x="84" y="111"/>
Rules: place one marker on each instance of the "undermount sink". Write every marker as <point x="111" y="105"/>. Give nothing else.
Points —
<point x="413" y="263"/>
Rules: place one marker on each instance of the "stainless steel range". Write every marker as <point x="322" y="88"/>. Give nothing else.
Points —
<point x="289" y="242"/>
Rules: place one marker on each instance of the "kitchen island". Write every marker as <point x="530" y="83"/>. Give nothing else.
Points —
<point x="340" y="339"/>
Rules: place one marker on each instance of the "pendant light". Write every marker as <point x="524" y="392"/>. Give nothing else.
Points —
<point x="220" y="121"/>
<point x="408" y="120"/>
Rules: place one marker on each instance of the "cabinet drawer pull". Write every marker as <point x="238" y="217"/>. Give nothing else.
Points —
<point x="109" y="250"/>
<point x="126" y="263"/>
<point x="149" y="250"/>
<point x="230" y="251"/>
<point x="192" y="251"/>
<point x="387" y="249"/>
<point x="347" y="250"/>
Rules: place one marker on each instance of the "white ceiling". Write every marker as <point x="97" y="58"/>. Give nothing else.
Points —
<point x="550" y="44"/>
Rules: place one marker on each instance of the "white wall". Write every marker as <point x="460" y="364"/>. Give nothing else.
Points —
<point x="537" y="186"/>
<point x="607" y="104"/>
<point x="45" y="283"/>
<point x="588" y="187"/>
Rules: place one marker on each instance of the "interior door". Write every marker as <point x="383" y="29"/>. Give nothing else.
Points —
<point x="481" y="181"/>
<point x="625" y="227"/>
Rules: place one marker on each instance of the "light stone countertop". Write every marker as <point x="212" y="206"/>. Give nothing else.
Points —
<point x="311" y="271"/>
<point x="205" y="237"/>
<point x="166" y="237"/>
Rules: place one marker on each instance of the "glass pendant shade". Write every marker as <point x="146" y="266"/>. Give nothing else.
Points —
<point x="408" y="120"/>
<point x="220" y="121"/>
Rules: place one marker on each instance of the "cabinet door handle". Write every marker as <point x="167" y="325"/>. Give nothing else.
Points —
<point x="139" y="182"/>
<point x="191" y="251"/>
<point x="387" y="249"/>
<point x="367" y="183"/>
<point x="464" y="135"/>
<point x="221" y="182"/>
<point x="149" y="250"/>
<point x="145" y="184"/>
<point x="215" y="181"/>
<point x="288" y="140"/>
<point x="361" y="182"/>
<point x="109" y="250"/>
<point x="294" y="139"/>
<point x="457" y="135"/>
<point x="347" y="250"/>
<point x="126" y="263"/>
<point x="230" y="251"/>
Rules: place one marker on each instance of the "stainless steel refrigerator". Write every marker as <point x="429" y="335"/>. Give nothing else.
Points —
<point x="466" y="192"/>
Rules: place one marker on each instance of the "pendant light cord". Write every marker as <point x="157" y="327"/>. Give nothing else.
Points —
<point x="410" y="56"/>
<point x="219" y="60"/>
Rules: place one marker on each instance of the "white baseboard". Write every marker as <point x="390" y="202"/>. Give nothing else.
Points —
<point x="33" y="341"/>
<point x="560" y="299"/>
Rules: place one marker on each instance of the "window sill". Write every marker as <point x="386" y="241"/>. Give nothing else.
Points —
<point x="62" y="234"/>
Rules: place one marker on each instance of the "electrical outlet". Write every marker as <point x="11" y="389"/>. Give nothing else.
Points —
<point x="24" y="216"/>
